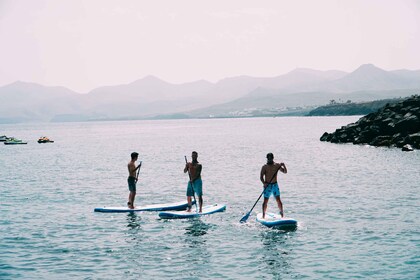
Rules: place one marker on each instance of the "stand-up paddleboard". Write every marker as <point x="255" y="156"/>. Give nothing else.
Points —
<point x="181" y="205"/>
<point x="207" y="210"/>
<point x="275" y="220"/>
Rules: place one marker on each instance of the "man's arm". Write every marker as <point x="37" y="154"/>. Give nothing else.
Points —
<point x="283" y="168"/>
<point x="262" y="175"/>
<point x="138" y="166"/>
<point x="186" y="168"/>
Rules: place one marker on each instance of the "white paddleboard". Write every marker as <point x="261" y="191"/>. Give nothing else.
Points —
<point x="207" y="210"/>
<point x="275" y="220"/>
<point x="181" y="205"/>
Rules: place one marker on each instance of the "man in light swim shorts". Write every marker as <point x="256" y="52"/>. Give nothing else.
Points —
<point x="268" y="177"/>
<point x="195" y="185"/>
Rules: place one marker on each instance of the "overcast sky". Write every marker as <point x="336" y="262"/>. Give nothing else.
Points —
<point x="85" y="44"/>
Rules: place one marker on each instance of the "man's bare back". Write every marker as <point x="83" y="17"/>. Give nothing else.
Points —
<point x="268" y="171"/>
<point x="131" y="169"/>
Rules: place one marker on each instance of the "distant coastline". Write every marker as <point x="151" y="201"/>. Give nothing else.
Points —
<point x="350" y="108"/>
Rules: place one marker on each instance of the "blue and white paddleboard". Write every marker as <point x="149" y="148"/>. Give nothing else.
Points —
<point x="207" y="210"/>
<point x="275" y="220"/>
<point x="181" y="205"/>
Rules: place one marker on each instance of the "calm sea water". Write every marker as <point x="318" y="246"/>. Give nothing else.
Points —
<point x="357" y="206"/>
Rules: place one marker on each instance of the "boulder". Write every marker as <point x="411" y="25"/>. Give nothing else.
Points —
<point x="410" y="124"/>
<point x="381" y="141"/>
<point x="415" y="140"/>
<point x="407" y="148"/>
<point x="325" y="137"/>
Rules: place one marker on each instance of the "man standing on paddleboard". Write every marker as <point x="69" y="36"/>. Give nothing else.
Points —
<point x="195" y="185"/>
<point x="132" y="179"/>
<point x="268" y="177"/>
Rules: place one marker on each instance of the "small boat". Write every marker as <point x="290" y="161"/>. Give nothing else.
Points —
<point x="45" y="139"/>
<point x="3" y="138"/>
<point x="14" y="141"/>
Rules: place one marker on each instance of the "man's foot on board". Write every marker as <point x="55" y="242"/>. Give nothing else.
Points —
<point x="129" y="205"/>
<point x="281" y="214"/>
<point x="188" y="209"/>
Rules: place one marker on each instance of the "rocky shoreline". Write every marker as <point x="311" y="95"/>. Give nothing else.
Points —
<point x="394" y="125"/>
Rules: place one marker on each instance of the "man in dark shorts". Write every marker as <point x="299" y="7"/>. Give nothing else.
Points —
<point x="132" y="179"/>
<point x="269" y="172"/>
<point x="195" y="185"/>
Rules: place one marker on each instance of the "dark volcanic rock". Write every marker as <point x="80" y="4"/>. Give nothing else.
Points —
<point x="396" y="125"/>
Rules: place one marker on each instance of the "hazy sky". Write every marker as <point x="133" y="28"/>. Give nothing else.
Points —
<point x="90" y="43"/>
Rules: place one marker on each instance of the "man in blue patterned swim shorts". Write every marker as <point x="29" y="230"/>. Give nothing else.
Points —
<point x="195" y="185"/>
<point x="269" y="172"/>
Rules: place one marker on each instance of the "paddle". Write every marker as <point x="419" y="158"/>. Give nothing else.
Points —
<point x="138" y="171"/>
<point x="192" y="185"/>
<point x="245" y="218"/>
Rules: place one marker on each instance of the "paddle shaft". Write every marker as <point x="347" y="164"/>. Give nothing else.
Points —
<point x="247" y="215"/>
<point x="192" y="184"/>
<point x="138" y="171"/>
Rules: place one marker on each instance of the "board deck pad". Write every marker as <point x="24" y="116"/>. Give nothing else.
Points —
<point x="180" y="205"/>
<point x="275" y="220"/>
<point x="207" y="210"/>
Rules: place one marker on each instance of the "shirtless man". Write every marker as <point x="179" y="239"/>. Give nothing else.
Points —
<point x="132" y="179"/>
<point x="269" y="172"/>
<point x="194" y="169"/>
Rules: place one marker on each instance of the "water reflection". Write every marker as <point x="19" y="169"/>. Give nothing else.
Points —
<point x="275" y="253"/>
<point x="134" y="221"/>
<point x="197" y="228"/>
<point x="195" y="240"/>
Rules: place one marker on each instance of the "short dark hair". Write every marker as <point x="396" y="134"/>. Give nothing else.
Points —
<point x="270" y="155"/>
<point x="194" y="152"/>
<point x="134" y="155"/>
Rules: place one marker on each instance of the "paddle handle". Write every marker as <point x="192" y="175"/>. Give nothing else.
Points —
<point x="192" y="184"/>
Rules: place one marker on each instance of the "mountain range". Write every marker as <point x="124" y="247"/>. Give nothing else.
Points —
<point x="151" y="97"/>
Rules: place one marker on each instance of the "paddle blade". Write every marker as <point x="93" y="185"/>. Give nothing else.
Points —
<point x="245" y="218"/>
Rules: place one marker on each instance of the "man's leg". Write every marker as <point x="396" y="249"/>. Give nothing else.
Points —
<point x="131" y="200"/>
<point x="189" y="200"/>
<point x="200" y="201"/>
<point x="134" y="197"/>
<point x="264" y="206"/>
<point x="280" y="205"/>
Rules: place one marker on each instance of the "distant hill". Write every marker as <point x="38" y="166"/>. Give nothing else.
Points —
<point x="26" y="102"/>
<point x="350" y="108"/>
<point x="370" y="77"/>
<point x="151" y="97"/>
<point x="366" y="83"/>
